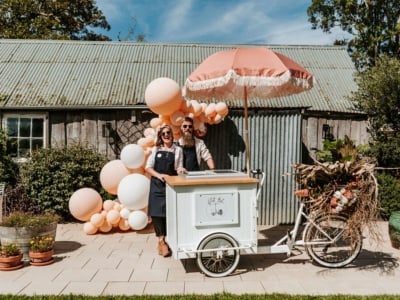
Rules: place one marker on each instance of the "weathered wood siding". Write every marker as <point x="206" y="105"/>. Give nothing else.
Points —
<point x="312" y="133"/>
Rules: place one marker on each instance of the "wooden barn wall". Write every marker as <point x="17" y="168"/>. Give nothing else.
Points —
<point x="107" y="131"/>
<point x="312" y="134"/>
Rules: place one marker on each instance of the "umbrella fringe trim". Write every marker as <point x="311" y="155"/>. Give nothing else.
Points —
<point x="248" y="81"/>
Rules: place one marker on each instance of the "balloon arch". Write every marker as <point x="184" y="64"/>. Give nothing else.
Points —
<point x="125" y="177"/>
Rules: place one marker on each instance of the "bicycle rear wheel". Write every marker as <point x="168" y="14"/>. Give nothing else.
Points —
<point x="327" y="244"/>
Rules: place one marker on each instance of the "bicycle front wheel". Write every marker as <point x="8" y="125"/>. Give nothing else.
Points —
<point x="222" y="257"/>
<point x="327" y="244"/>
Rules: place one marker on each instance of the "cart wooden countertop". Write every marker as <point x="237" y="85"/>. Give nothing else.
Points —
<point x="181" y="181"/>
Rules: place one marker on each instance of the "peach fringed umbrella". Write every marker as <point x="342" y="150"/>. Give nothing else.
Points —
<point x="246" y="73"/>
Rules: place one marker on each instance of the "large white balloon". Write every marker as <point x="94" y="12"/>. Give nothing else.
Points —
<point x="133" y="191"/>
<point x="137" y="220"/>
<point x="132" y="156"/>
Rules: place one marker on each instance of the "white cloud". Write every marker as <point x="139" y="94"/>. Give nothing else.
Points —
<point x="217" y="21"/>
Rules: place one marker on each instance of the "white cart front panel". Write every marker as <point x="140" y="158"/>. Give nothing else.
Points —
<point x="198" y="208"/>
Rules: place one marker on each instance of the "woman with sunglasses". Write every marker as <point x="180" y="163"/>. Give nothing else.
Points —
<point x="164" y="160"/>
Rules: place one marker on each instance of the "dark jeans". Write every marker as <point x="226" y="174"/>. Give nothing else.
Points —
<point x="160" y="225"/>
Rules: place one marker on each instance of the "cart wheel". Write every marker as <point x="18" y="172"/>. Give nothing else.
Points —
<point x="221" y="260"/>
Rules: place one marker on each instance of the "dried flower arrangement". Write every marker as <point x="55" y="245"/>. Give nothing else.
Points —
<point x="348" y="187"/>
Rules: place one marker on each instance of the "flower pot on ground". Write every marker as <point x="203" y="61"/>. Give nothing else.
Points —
<point x="10" y="257"/>
<point x="20" y="228"/>
<point x="41" y="250"/>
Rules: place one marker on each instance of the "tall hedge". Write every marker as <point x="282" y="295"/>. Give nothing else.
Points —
<point x="8" y="168"/>
<point x="52" y="175"/>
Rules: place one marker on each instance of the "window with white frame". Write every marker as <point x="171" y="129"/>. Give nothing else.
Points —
<point x="25" y="133"/>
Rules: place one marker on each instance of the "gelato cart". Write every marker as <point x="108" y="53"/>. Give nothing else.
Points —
<point x="211" y="216"/>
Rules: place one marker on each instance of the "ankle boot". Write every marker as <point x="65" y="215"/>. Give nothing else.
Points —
<point x="163" y="248"/>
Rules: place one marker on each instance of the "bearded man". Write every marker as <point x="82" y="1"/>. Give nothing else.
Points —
<point x="194" y="149"/>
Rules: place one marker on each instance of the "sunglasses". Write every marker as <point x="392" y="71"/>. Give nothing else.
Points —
<point x="166" y="133"/>
<point x="187" y="126"/>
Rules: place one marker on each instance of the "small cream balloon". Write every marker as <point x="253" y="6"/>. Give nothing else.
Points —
<point x="106" y="227"/>
<point x="89" y="228"/>
<point x="97" y="219"/>
<point x="137" y="220"/>
<point x="108" y="205"/>
<point x="113" y="217"/>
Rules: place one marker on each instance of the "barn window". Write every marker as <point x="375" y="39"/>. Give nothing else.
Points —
<point x="26" y="133"/>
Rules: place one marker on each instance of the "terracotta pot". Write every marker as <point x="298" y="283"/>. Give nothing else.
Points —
<point x="41" y="258"/>
<point x="11" y="262"/>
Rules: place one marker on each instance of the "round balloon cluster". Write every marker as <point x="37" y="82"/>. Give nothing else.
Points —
<point x="164" y="97"/>
<point x="121" y="177"/>
<point x="126" y="177"/>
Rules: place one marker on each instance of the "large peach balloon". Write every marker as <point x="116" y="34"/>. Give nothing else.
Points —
<point x="132" y="156"/>
<point x="163" y="96"/>
<point x="84" y="203"/>
<point x="133" y="191"/>
<point x="111" y="174"/>
<point x="137" y="220"/>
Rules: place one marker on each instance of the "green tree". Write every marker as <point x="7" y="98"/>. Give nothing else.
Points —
<point x="378" y="95"/>
<point x="374" y="25"/>
<point x="51" y="19"/>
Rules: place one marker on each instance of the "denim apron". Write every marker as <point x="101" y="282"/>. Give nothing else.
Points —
<point x="164" y="163"/>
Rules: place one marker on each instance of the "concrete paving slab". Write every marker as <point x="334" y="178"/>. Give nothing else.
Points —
<point x="127" y="263"/>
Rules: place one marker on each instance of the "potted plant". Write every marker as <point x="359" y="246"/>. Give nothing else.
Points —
<point x="41" y="250"/>
<point x="21" y="227"/>
<point x="10" y="257"/>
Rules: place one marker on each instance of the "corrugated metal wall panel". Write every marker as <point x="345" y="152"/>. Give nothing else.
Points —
<point x="275" y="139"/>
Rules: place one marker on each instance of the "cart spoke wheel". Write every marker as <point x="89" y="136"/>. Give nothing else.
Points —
<point x="221" y="260"/>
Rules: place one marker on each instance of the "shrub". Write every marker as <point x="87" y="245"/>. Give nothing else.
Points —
<point x="52" y="175"/>
<point x="8" y="168"/>
<point x="23" y="219"/>
<point x="389" y="194"/>
<point x="387" y="151"/>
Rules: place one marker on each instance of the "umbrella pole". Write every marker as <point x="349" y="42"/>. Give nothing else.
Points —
<point x="246" y="131"/>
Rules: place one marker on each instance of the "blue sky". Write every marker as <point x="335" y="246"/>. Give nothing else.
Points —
<point x="216" y="21"/>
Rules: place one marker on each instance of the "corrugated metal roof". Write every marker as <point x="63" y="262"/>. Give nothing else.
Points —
<point x="76" y="74"/>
